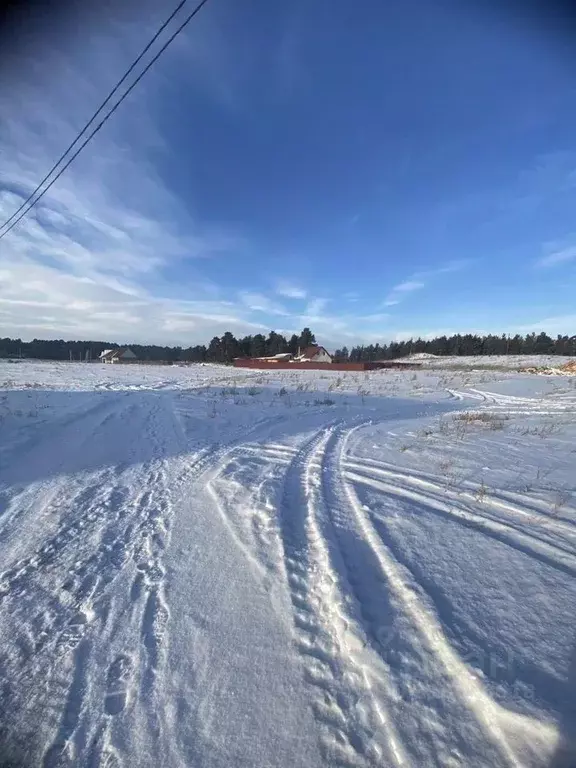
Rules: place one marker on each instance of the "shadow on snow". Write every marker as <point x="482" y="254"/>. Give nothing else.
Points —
<point x="46" y="433"/>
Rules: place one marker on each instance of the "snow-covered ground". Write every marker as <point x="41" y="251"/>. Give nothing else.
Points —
<point x="510" y="362"/>
<point x="213" y="567"/>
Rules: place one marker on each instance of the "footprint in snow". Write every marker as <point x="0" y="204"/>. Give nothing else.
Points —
<point x="119" y="674"/>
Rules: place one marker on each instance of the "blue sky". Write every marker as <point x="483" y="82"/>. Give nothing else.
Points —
<point x="373" y="170"/>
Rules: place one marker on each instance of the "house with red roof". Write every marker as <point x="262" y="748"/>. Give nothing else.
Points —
<point x="313" y="354"/>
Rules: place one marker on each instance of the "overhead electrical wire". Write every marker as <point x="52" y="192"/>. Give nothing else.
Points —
<point x="34" y="197"/>
<point x="96" y="113"/>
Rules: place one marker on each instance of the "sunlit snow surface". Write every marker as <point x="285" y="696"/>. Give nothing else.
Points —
<point x="203" y="566"/>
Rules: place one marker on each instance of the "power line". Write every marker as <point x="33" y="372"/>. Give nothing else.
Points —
<point x="186" y="21"/>
<point x="100" y="108"/>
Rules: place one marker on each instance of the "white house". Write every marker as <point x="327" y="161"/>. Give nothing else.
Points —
<point x="313" y="354"/>
<point x="120" y="355"/>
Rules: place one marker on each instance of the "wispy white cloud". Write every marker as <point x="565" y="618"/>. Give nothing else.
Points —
<point x="257" y="302"/>
<point x="96" y="258"/>
<point x="454" y="265"/>
<point x="38" y="300"/>
<point x="400" y="291"/>
<point x="290" y="290"/>
<point x="556" y="257"/>
<point x="315" y="307"/>
<point x="421" y="279"/>
<point x="376" y="317"/>
<point x="553" y="325"/>
<point x="408" y="286"/>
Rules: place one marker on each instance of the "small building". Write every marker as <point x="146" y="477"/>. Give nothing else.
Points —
<point x="282" y="357"/>
<point x="314" y="354"/>
<point x="120" y="355"/>
<point x="313" y="357"/>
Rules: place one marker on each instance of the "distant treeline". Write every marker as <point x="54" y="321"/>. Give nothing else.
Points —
<point x="220" y="350"/>
<point x="466" y="344"/>
<point x="225" y="348"/>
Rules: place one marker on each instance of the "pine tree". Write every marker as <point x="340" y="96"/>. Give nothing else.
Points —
<point x="258" y="346"/>
<point x="529" y="345"/>
<point x="214" y="352"/>
<point x="516" y="345"/>
<point x="306" y="339"/>
<point x="543" y="344"/>
<point x="229" y="347"/>
<point x="275" y="344"/>
<point x="293" y="344"/>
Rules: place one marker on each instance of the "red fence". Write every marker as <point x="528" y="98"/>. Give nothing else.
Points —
<point x="248" y="362"/>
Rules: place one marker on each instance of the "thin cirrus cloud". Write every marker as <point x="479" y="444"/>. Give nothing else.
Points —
<point x="290" y="290"/>
<point x="556" y="257"/>
<point x="257" y="302"/>
<point x="400" y="291"/>
<point x="408" y="286"/>
<point x="420" y="280"/>
<point x="315" y="307"/>
<point x="104" y="253"/>
<point x="92" y="258"/>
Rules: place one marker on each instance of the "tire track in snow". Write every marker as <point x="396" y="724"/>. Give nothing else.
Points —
<point x="249" y="510"/>
<point x="211" y="476"/>
<point x="511" y="502"/>
<point x="517" y="738"/>
<point x="409" y="691"/>
<point x="356" y="730"/>
<point x="209" y="464"/>
<point x="517" y="668"/>
<point x="281" y="453"/>
<point x="514" y="405"/>
<point x="553" y="554"/>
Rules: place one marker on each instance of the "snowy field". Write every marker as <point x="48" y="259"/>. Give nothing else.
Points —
<point x="503" y="362"/>
<point x="220" y="568"/>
